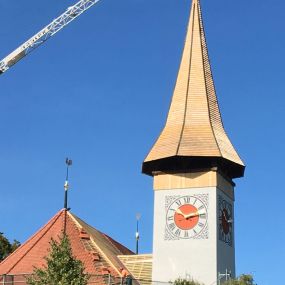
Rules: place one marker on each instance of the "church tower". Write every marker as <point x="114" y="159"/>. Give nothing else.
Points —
<point x="193" y="164"/>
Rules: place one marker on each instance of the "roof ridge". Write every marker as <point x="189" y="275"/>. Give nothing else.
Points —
<point x="80" y="227"/>
<point x="206" y="59"/>
<point x="189" y="71"/>
<point x="105" y="256"/>
<point x="95" y="244"/>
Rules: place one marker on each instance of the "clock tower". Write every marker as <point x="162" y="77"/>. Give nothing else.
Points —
<point x="193" y="164"/>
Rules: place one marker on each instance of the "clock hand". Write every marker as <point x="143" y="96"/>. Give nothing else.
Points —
<point x="178" y="211"/>
<point x="191" y="215"/>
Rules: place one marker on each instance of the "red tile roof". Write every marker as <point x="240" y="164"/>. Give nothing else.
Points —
<point x="97" y="251"/>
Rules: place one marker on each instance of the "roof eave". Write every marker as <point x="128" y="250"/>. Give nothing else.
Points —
<point x="182" y="164"/>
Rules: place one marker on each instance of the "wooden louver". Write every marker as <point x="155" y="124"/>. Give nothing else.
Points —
<point x="194" y="136"/>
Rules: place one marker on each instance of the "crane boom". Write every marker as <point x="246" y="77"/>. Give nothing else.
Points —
<point x="56" y="25"/>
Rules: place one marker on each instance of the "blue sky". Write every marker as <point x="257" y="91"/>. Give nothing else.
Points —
<point x="99" y="92"/>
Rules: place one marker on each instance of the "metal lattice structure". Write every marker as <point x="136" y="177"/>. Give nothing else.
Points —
<point x="47" y="32"/>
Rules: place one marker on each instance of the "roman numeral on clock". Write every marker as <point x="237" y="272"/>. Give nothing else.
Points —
<point x="187" y="200"/>
<point x="202" y="216"/>
<point x="178" y="202"/>
<point x="171" y="226"/>
<point x="178" y="232"/>
<point x="170" y="218"/>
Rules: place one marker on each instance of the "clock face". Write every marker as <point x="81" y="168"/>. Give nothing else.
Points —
<point x="186" y="217"/>
<point x="225" y="221"/>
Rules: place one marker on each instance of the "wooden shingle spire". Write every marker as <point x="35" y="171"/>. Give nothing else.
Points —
<point x="194" y="137"/>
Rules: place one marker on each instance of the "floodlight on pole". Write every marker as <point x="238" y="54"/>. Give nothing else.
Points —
<point x="138" y="216"/>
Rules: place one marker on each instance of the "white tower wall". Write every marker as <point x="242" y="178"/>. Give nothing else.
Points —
<point x="200" y="257"/>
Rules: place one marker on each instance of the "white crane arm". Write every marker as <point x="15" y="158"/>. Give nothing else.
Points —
<point x="56" y="25"/>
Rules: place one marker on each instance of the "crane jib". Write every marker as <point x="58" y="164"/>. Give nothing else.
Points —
<point x="56" y="25"/>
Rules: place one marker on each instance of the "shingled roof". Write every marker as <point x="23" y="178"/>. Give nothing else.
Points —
<point x="96" y="250"/>
<point x="194" y="136"/>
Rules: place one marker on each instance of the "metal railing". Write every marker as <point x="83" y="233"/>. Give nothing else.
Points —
<point x="103" y="279"/>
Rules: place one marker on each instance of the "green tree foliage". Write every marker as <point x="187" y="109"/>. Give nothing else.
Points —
<point x="181" y="281"/>
<point x="244" y="279"/>
<point x="6" y="247"/>
<point x="62" y="268"/>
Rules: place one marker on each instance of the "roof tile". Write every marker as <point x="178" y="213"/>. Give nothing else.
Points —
<point x="97" y="251"/>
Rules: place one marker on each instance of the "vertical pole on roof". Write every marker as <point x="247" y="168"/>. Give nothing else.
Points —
<point x="68" y="163"/>
<point x="138" y="216"/>
<point x="66" y="184"/>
